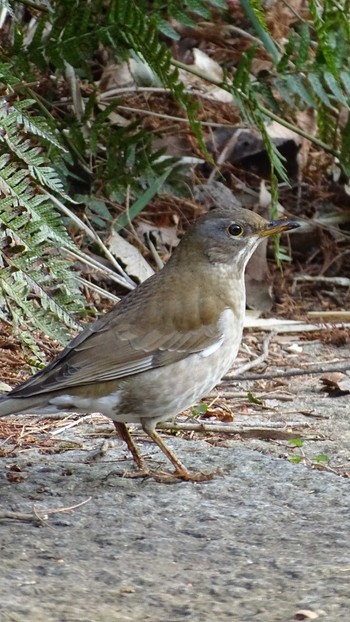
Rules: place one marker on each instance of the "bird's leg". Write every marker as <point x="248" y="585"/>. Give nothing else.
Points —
<point x="124" y="434"/>
<point x="180" y="470"/>
<point x="180" y="473"/>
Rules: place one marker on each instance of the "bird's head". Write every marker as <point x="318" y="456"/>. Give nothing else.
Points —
<point x="229" y="235"/>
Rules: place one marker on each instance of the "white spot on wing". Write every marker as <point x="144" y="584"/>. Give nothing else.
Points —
<point x="211" y="349"/>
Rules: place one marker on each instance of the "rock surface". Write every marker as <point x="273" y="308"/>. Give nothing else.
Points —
<point x="264" y="541"/>
<point x="261" y="542"/>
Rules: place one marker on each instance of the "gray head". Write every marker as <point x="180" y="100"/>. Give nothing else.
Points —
<point x="227" y="235"/>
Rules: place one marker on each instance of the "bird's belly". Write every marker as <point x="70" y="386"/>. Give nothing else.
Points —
<point x="162" y="393"/>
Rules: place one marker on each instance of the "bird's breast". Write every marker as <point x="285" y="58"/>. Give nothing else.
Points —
<point x="221" y="355"/>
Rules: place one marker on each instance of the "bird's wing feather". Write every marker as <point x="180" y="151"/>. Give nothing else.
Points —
<point x="116" y="346"/>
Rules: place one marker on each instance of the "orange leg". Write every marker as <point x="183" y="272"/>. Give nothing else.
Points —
<point x="124" y="434"/>
<point x="180" y="470"/>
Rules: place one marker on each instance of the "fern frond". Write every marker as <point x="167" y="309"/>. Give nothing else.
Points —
<point x="34" y="124"/>
<point x="303" y="52"/>
<point x="32" y="230"/>
<point x="17" y="290"/>
<point x="317" y="11"/>
<point x="334" y="87"/>
<point x="345" y="148"/>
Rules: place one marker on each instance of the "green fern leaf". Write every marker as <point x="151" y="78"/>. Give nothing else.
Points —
<point x="334" y="87"/>
<point x="36" y="125"/>
<point x="218" y="4"/>
<point x="167" y="30"/>
<point x="267" y="93"/>
<point x="284" y="61"/>
<point x="296" y="85"/>
<point x="284" y="91"/>
<point x="345" y="77"/>
<point x="199" y="8"/>
<point x="304" y="47"/>
<point x="345" y="148"/>
<point x="183" y="18"/>
<point x="317" y="85"/>
<point x="255" y="13"/>
<point x="321" y="27"/>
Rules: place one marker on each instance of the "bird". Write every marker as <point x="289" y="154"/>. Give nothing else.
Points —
<point x="165" y="345"/>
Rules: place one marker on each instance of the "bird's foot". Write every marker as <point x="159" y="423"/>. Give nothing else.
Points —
<point x="139" y="473"/>
<point x="195" y="476"/>
<point x="172" y="477"/>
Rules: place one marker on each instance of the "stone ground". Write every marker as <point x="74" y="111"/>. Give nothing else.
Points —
<point x="265" y="540"/>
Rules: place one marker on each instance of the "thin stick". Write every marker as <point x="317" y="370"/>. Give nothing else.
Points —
<point x="36" y="517"/>
<point x="319" y="369"/>
<point x="228" y="428"/>
<point x="92" y="235"/>
<point x="70" y="425"/>
<point x="259" y="359"/>
<point x="338" y="315"/>
<point x="227" y="395"/>
<point x="19" y="516"/>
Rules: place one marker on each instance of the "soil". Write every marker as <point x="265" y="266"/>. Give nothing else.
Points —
<point x="267" y="539"/>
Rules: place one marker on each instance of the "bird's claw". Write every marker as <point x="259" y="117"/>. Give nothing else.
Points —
<point x="174" y="477"/>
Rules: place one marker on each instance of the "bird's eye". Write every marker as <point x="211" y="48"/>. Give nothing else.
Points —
<point x="235" y="230"/>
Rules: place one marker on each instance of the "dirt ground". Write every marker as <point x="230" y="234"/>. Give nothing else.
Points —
<point x="267" y="539"/>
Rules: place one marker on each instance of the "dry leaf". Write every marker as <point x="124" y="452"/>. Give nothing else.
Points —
<point x="215" y="194"/>
<point x="209" y="67"/>
<point x="129" y="73"/>
<point x="5" y="387"/>
<point x="164" y="236"/>
<point x="306" y="614"/>
<point x="336" y="383"/>
<point x="131" y="258"/>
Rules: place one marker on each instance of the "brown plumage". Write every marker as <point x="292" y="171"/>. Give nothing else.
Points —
<point x="166" y="344"/>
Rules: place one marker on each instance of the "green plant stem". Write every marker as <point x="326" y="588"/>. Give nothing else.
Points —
<point x="261" y="32"/>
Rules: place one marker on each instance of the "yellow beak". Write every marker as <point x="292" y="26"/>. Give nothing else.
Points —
<point x="278" y="226"/>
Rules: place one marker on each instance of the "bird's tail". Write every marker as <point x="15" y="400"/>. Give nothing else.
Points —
<point x="15" y="406"/>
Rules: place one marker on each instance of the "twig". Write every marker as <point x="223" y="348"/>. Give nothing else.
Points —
<point x="230" y="429"/>
<point x="227" y="395"/>
<point x="155" y="89"/>
<point x="318" y="369"/>
<point x="20" y="516"/>
<point x="293" y="11"/>
<point x="342" y="281"/>
<point x="35" y="5"/>
<point x="70" y="425"/>
<point x="338" y="315"/>
<point x="259" y="359"/>
<point x="223" y="156"/>
<point x="96" y="265"/>
<point x="243" y="33"/>
<point x="162" y="115"/>
<point x="35" y="516"/>
<point x="70" y="507"/>
<point x="154" y="251"/>
<point x="289" y="326"/>
<point x="96" y="288"/>
<point x="129" y="283"/>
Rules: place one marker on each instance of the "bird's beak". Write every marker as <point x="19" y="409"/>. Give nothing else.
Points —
<point x="277" y="226"/>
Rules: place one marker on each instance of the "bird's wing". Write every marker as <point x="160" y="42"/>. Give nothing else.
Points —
<point x="121" y="344"/>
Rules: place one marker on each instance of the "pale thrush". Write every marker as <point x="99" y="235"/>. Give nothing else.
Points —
<point x="166" y="344"/>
